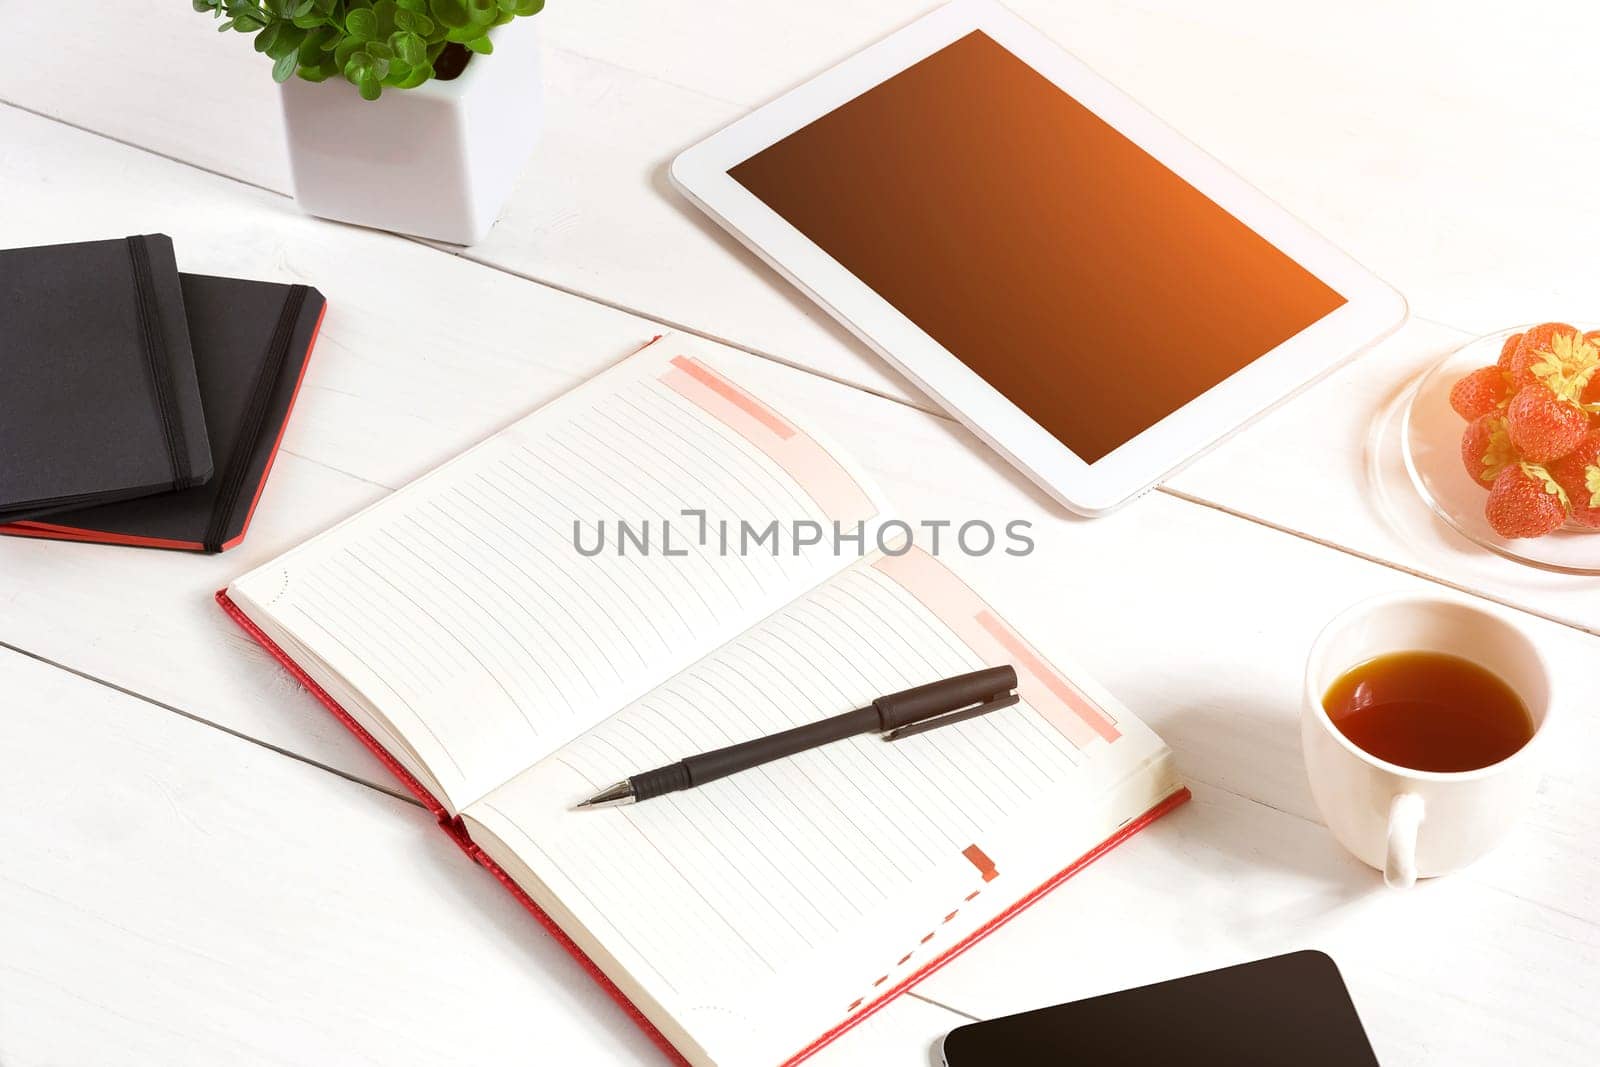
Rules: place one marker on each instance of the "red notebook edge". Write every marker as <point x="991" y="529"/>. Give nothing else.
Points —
<point x="452" y="826"/>
<point x="457" y="832"/>
<point x="53" y="532"/>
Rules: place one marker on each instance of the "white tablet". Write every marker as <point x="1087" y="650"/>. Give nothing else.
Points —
<point x="1091" y="294"/>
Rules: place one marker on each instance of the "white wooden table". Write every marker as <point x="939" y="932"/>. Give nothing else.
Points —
<point x="198" y="866"/>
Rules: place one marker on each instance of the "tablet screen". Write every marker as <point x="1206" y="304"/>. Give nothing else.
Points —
<point x="1093" y="287"/>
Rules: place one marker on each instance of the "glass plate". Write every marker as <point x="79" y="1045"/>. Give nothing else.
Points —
<point x="1431" y="439"/>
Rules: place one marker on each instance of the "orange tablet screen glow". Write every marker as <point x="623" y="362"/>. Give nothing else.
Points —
<point x="1074" y="272"/>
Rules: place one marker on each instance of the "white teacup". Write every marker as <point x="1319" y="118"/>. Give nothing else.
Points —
<point x="1405" y="822"/>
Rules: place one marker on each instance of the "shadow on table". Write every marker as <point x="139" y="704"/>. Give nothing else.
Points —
<point x="1252" y="832"/>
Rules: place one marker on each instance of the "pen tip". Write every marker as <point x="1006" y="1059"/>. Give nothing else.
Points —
<point x="622" y="791"/>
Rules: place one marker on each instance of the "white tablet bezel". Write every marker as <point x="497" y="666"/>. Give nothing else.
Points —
<point x="1372" y="310"/>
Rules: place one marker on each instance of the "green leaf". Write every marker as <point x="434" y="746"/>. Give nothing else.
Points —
<point x="369" y="87"/>
<point x="385" y="10"/>
<point x="284" y="67"/>
<point x="266" y="38"/>
<point x="481" y="45"/>
<point x="361" y="23"/>
<point x="451" y="13"/>
<point x="410" y="49"/>
<point x="413" y="22"/>
<point x="363" y="64"/>
<point x="310" y="50"/>
<point x="347" y="48"/>
<point x="417" y="76"/>
<point x="288" y="42"/>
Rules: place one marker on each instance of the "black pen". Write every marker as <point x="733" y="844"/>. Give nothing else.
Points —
<point x="927" y="707"/>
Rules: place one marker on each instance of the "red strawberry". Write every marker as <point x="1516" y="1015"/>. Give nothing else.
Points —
<point x="1578" y="473"/>
<point x="1485" y="448"/>
<point x="1591" y="394"/>
<point x="1507" y="350"/>
<point x="1478" y="393"/>
<point x="1535" y="346"/>
<point x="1565" y="365"/>
<point x="1543" y="427"/>
<point x="1525" y="502"/>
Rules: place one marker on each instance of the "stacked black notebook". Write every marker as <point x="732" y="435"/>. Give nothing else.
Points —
<point x="139" y="405"/>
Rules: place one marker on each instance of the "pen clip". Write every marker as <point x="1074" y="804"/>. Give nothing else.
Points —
<point x="994" y="703"/>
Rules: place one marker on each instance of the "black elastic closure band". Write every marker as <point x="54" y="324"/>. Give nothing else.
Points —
<point x="232" y="483"/>
<point x="155" y="356"/>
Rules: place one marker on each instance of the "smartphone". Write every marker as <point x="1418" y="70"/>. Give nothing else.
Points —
<point x="1286" y="1009"/>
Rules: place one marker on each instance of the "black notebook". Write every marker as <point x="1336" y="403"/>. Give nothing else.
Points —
<point x="251" y="344"/>
<point x="98" y="397"/>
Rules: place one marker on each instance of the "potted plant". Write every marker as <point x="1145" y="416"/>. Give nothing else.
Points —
<point x="397" y="116"/>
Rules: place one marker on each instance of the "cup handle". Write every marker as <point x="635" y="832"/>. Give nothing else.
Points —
<point x="1405" y="817"/>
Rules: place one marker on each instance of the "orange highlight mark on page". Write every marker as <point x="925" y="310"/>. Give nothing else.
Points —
<point x="835" y="491"/>
<point x="981" y="861"/>
<point x="1041" y="686"/>
<point x="734" y="395"/>
<point x="1064" y="691"/>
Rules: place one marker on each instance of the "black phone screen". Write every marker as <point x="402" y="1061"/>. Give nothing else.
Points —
<point x="1291" y="1009"/>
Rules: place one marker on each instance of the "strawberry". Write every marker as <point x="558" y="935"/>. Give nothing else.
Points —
<point x="1543" y="427"/>
<point x="1486" y="449"/>
<point x="1525" y="502"/>
<point x="1478" y="393"/>
<point x="1578" y="473"/>
<point x="1535" y="339"/>
<point x="1507" y="350"/>
<point x="1556" y="356"/>
<point x="1591" y="392"/>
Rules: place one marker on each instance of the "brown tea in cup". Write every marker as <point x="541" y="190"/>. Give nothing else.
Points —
<point x="1429" y="711"/>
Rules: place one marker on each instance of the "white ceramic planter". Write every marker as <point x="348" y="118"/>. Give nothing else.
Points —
<point x="436" y="161"/>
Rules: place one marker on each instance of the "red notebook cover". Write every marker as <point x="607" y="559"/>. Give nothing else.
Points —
<point x="454" y="827"/>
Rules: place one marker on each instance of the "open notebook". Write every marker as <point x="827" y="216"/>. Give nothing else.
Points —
<point x="505" y="675"/>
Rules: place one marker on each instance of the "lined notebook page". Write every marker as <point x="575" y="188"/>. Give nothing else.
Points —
<point x="461" y="611"/>
<point x="814" y="884"/>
